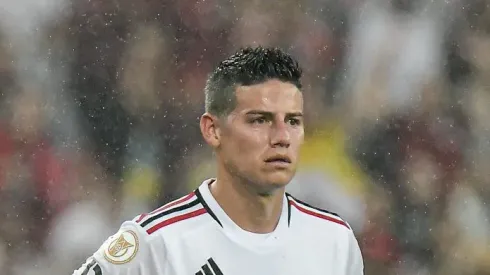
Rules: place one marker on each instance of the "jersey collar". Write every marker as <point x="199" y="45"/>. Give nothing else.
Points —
<point x="230" y="227"/>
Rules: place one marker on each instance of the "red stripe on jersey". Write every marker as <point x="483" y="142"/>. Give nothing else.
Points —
<point x="167" y="206"/>
<point x="142" y="216"/>
<point x="175" y="219"/>
<point x="318" y="215"/>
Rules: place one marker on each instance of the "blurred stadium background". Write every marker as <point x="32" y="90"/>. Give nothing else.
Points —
<point x="100" y="101"/>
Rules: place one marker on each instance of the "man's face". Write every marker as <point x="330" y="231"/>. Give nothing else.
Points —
<point x="260" y="139"/>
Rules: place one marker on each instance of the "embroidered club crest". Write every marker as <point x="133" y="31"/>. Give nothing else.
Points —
<point x="123" y="248"/>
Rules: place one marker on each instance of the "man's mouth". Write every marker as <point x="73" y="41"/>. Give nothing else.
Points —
<point x="278" y="159"/>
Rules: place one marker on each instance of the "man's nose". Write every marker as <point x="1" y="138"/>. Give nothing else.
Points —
<point x="280" y="136"/>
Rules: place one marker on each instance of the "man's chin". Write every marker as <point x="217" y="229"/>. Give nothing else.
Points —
<point x="270" y="182"/>
<point x="278" y="180"/>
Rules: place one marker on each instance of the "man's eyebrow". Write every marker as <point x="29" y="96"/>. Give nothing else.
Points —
<point x="267" y="113"/>
<point x="259" y="112"/>
<point x="296" y="114"/>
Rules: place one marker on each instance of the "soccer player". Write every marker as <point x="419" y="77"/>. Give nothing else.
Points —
<point x="241" y="222"/>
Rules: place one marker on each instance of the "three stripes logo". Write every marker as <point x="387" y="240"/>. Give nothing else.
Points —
<point x="210" y="268"/>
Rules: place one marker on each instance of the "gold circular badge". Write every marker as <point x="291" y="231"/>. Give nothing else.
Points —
<point x="123" y="248"/>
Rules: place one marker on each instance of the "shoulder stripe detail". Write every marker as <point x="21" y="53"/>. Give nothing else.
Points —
<point x="141" y="217"/>
<point x="166" y="206"/>
<point x="305" y="210"/>
<point x="175" y="219"/>
<point x="206" y="206"/>
<point x="311" y="206"/>
<point x="170" y="211"/>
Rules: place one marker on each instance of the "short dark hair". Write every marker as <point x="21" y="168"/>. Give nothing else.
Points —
<point x="248" y="66"/>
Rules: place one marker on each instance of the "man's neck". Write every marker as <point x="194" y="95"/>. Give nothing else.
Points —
<point x="247" y="208"/>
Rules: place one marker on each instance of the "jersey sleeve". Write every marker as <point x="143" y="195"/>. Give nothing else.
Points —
<point x="128" y="252"/>
<point x="355" y="263"/>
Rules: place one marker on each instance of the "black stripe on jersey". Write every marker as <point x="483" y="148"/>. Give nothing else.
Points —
<point x="289" y="209"/>
<point x="89" y="266"/>
<point x="207" y="270"/>
<point x="199" y="273"/>
<point x="215" y="267"/>
<point x="313" y="207"/>
<point x="97" y="270"/>
<point x="170" y="211"/>
<point x="206" y="206"/>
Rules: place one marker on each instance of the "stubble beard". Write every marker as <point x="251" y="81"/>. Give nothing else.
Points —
<point x="252" y="183"/>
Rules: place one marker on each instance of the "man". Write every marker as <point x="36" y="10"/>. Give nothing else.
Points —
<point x="241" y="222"/>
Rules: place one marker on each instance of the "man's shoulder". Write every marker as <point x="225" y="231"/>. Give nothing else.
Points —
<point x="125" y="245"/>
<point x="176" y="216"/>
<point x="138" y="240"/>
<point x="315" y="215"/>
<point x="121" y="254"/>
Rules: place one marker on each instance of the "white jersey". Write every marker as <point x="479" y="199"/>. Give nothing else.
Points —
<point x="193" y="235"/>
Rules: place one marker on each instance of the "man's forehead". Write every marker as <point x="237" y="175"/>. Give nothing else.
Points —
<point x="271" y="96"/>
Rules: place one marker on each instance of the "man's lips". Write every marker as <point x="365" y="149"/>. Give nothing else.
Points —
<point x="278" y="159"/>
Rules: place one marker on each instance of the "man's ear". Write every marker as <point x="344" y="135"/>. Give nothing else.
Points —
<point x="210" y="131"/>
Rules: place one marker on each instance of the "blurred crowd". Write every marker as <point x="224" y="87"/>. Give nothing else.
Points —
<point x="100" y="101"/>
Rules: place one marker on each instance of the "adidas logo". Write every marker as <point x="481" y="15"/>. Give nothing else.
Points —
<point x="210" y="268"/>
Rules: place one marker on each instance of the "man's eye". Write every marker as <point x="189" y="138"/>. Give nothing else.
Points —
<point x="294" y="121"/>
<point x="259" y="120"/>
